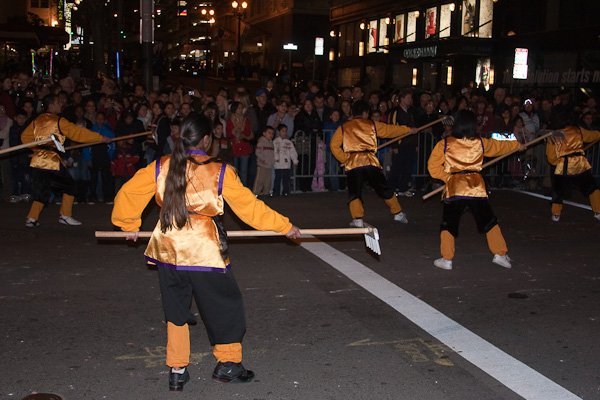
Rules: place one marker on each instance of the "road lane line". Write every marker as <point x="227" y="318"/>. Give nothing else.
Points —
<point x="512" y="373"/>
<point x="541" y="196"/>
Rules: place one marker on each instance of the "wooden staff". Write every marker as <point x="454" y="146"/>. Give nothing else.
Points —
<point x="590" y="145"/>
<point x="495" y="160"/>
<point x="252" y="233"/>
<point x="419" y="129"/>
<point x="370" y="233"/>
<point x="134" y="135"/>
<point x="26" y="145"/>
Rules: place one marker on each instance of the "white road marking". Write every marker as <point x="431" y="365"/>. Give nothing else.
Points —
<point x="512" y="373"/>
<point x="541" y="196"/>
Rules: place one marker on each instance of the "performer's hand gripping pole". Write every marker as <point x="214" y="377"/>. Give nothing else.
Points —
<point x="419" y="129"/>
<point x="370" y="233"/>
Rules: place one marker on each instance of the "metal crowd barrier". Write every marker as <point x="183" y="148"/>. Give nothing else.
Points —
<point x="528" y="170"/>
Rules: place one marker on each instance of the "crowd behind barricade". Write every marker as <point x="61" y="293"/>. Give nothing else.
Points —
<point x="277" y="139"/>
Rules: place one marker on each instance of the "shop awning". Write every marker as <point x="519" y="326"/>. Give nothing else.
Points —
<point x="13" y="33"/>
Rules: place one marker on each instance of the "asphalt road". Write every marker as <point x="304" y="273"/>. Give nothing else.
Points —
<point x="82" y="319"/>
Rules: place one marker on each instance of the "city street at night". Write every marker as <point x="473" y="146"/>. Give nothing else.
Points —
<point x="326" y="319"/>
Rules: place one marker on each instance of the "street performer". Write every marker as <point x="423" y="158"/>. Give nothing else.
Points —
<point x="457" y="160"/>
<point x="48" y="174"/>
<point x="571" y="167"/>
<point x="354" y="144"/>
<point x="189" y="246"/>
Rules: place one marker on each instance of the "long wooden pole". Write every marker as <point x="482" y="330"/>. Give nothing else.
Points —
<point x="419" y="129"/>
<point x="26" y="145"/>
<point x="495" y="160"/>
<point x="134" y="135"/>
<point x="252" y="233"/>
<point x="590" y="145"/>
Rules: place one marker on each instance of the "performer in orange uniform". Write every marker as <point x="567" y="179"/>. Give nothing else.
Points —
<point x="457" y="160"/>
<point x="571" y="167"/>
<point x="354" y="144"/>
<point x="48" y="173"/>
<point x="189" y="246"/>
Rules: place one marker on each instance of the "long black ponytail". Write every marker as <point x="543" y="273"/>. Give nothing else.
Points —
<point x="174" y="213"/>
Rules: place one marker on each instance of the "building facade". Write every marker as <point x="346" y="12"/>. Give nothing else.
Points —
<point x="437" y="45"/>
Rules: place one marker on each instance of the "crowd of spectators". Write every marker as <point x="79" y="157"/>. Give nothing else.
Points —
<point x="275" y="138"/>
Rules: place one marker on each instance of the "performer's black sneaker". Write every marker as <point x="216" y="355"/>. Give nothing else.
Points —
<point x="226" y="372"/>
<point x="176" y="381"/>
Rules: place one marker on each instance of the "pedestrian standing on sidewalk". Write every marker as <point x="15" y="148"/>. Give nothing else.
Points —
<point x="189" y="246"/>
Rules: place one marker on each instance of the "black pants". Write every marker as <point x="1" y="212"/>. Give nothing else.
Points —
<point x="107" y="181"/>
<point x="373" y="176"/>
<point x="481" y="209"/>
<point x="44" y="182"/>
<point x="562" y="185"/>
<point x="217" y="296"/>
<point x="282" y="181"/>
<point x="403" y="164"/>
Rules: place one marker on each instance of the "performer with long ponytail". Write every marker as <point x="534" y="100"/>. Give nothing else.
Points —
<point x="189" y="246"/>
<point x="457" y="160"/>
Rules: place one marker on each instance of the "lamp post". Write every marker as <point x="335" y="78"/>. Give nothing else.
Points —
<point x="239" y="10"/>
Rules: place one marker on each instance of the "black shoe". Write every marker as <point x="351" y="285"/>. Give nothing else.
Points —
<point x="226" y="372"/>
<point x="176" y="381"/>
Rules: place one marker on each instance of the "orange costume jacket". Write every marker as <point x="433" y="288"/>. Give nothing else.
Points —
<point x="354" y="143"/>
<point x="197" y="246"/>
<point x="46" y="125"/>
<point x="567" y="155"/>
<point x="458" y="162"/>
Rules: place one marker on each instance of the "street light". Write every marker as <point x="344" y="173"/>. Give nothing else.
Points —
<point x="239" y="10"/>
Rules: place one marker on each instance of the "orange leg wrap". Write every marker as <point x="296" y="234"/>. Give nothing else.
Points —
<point x="356" y="208"/>
<point x="66" y="208"/>
<point x="496" y="242"/>
<point x="228" y="352"/>
<point x="595" y="201"/>
<point x="35" y="210"/>
<point x="394" y="205"/>
<point x="557" y="208"/>
<point x="178" y="345"/>
<point x="447" y="245"/>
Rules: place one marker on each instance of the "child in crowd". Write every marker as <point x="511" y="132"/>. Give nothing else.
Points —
<point x="123" y="167"/>
<point x="318" y="182"/>
<point x="264" y="161"/>
<point x="332" y="166"/>
<point x="285" y="157"/>
<point x="221" y="146"/>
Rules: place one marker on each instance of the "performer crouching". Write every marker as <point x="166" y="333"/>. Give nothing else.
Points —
<point x="571" y="167"/>
<point x="354" y="144"/>
<point x="457" y="160"/>
<point x="189" y="246"/>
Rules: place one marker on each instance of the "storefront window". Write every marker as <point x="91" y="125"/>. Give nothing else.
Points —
<point x="482" y="73"/>
<point x="373" y="36"/>
<point x="477" y="21"/>
<point x="486" y="15"/>
<point x="399" y="31"/>
<point x="411" y="26"/>
<point x="383" y="39"/>
<point x="430" y="22"/>
<point x="445" y="20"/>
<point x="468" y="17"/>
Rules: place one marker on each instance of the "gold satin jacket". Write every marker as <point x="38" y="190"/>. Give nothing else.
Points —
<point x="46" y="125"/>
<point x="354" y="143"/>
<point x="458" y="162"/>
<point x="569" y="152"/>
<point x="196" y="246"/>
